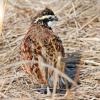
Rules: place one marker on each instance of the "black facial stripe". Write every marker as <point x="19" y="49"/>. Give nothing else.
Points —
<point x="50" y="19"/>
<point x="45" y="21"/>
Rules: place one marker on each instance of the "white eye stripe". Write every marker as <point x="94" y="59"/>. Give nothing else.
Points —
<point x="44" y="17"/>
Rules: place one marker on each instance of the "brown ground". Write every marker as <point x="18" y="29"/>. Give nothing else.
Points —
<point x="79" y="29"/>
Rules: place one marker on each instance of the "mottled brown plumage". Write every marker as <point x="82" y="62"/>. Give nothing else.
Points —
<point x="41" y="43"/>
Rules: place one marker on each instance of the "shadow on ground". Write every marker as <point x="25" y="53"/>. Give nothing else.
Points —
<point x="72" y="61"/>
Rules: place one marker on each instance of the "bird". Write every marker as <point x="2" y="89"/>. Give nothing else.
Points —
<point x="42" y="44"/>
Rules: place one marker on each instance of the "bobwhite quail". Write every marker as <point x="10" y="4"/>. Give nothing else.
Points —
<point x="40" y="42"/>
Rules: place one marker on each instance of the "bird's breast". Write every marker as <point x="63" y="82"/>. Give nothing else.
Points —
<point x="40" y="32"/>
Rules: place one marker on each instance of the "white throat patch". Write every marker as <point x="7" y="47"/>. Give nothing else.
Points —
<point x="51" y="23"/>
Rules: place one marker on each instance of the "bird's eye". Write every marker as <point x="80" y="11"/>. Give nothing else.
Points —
<point x="50" y="18"/>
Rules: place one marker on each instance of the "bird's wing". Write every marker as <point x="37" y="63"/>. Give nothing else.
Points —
<point x="27" y="54"/>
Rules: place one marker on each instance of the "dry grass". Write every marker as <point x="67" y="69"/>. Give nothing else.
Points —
<point x="79" y="29"/>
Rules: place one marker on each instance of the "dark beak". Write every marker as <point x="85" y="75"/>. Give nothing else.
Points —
<point x="56" y="18"/>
